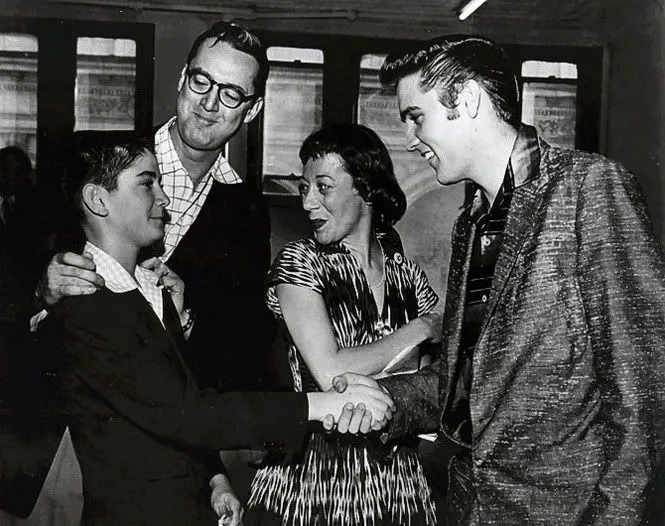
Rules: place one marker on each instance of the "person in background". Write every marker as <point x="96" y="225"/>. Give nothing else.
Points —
<point x="550" y="382"/>
<point x="144" y="434"/>
<point x="351" y="302"/>
<point x="21" y="247"/>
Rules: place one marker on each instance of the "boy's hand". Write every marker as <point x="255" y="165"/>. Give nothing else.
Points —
<point x="225" y="503"/>
<point x="68" y="274"/>
<point x="354" y="419"/>
<point x="360" y="408"/>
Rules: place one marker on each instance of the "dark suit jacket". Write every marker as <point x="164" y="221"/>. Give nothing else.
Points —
<point x="223" y="259"/>
<point x="141" y="429"/>
<point x="568" y="393"/>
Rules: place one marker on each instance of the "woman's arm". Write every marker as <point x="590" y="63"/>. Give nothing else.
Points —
<point x="310" y="327"/>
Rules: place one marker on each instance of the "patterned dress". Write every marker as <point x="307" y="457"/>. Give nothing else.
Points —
<point x="346" y="480"/>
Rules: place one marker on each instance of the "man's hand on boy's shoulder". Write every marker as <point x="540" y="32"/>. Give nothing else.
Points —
<point x="68" y="274"/>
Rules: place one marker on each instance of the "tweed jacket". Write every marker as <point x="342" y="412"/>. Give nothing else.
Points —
<point x="568" y="392"/>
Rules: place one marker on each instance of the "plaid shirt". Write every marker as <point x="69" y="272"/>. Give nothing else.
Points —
<point x="118" y="280"/>
<point x="186" y="201"/>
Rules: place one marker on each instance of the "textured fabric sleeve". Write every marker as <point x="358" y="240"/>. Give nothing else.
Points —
<point x="416" y="397"/>
<point x="296" y="264"/>
<point x="622" y="280"/>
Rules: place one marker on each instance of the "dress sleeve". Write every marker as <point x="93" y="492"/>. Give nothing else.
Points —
<point x="296" y="264"/>
<point x="425" y="294"/>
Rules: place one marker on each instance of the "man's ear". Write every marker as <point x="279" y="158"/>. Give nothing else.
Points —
<point x="254" y="110"/>
<point x="181" y="81"/>
<point x="470" y="98"/>
<point x="94" y="199"/>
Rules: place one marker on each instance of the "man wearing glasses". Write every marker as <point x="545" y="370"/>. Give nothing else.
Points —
<point x="218" y="233"/>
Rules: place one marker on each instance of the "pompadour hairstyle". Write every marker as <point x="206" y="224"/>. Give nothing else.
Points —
<point x="447" y="63"/>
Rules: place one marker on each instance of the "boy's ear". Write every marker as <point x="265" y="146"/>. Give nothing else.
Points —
<point x="93" y="197"/>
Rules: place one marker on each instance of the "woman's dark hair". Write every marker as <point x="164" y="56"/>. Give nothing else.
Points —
<point x="367" y="161"/>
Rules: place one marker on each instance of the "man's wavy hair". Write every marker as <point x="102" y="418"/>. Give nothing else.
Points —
<point x="238" y="38"/>
<point x="447" y="63"/>
<point x="367" y="161"/>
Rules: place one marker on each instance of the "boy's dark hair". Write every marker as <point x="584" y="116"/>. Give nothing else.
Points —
<point x="367" y="161"/>
<point x="447" y="63"/>
<point x="239" y="38"/>
<point x="98" y="157"/>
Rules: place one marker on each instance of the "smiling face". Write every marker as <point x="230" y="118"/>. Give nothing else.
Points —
<point x="333" y="204"/>
<point x="136" y="207"/>
<point x="203" y="122"/>
<point x="441" y="135"/>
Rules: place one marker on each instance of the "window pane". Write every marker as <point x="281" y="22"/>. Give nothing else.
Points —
<point x="552" y="109"/>
<point x="18" y="92"/>
<point x="105" y="84"/>
<point x="377" y="109"/>
<point x="292" y="111"/>
<point x="544" y="70"/>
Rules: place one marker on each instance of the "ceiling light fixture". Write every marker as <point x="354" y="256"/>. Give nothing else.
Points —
<point x="469" y="8"/>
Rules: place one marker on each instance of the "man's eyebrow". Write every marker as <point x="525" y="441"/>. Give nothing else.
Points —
<point x="236" y="87"/>
<point x="406" y="111"/>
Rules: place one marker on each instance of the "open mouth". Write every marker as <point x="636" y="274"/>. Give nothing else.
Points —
<point x="432" y="159"/>
<point x="317" y="224"/>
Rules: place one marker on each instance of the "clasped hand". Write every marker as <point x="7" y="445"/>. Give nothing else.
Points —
<point x="360" y="402"/>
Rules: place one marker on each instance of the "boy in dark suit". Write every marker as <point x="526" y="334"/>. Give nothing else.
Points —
<point x="144" y="435"/>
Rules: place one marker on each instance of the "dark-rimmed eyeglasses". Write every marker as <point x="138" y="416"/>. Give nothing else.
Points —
<point x="201" y="83"/>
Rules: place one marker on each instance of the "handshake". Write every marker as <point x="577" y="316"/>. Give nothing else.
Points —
<point x="359" y="402"/>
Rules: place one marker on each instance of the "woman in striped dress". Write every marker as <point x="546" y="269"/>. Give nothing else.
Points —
<point x="351" y="302"/>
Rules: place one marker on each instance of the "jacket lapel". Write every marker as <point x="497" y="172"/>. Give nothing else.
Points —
<point x="461" y="246"/>
<point x="175" y="336"/>
<point x="526" y="199"/>
<point x="519" y="223"/>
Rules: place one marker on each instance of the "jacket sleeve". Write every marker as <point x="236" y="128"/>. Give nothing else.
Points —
<point x="416" y="397"/>
<point x="208" y="419"/>
<point x="621" y="274"/>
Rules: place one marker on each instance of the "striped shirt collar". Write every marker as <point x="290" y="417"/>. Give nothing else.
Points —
<point x="118" y="280"/>
<point x="522" y="167"/>
<point x="525" y="157"/>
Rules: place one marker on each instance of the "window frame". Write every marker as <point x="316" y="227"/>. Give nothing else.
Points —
<point x="56" y="58"/>
<point x="343" y="53"/>
<point x="589" y="62"/>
